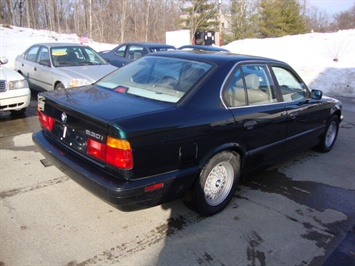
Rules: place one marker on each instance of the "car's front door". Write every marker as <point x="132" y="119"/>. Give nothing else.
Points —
<point x="120" y="57"/>
<point x="261" y="121"/>
<point x="43" y="71"/>
<point x="304" y="118"/>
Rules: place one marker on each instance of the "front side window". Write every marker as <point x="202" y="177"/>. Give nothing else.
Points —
<point x="157" y="78"/>
<point x="251" y="84"/>
<point x="120" y="51"/>
<point x="291" y="88"/>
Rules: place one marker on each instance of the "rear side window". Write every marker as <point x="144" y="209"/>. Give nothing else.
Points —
<point x="250" y="84"/>
<point x="136" y="52"/>
<point x="32" y="54"/>
<point x="291" y="88"/>
<point x="153" y="50"/>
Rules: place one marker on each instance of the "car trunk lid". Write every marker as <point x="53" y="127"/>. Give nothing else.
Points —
<point x="86" y="121"/>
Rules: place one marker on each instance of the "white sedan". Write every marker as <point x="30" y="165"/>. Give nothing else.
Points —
<point x="15" y="94"/>
<point x="51" y="66"/>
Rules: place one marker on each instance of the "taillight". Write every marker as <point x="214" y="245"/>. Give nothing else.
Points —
<point x="45" y="120"/>
<point x="96" y="149"/>
<point x="119" y="153"/>
<point x="116" y="152"/>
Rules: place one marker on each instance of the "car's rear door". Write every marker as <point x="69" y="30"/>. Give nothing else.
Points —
<point x="28" y="65"/>
<point x="261" y="120"/>
<point x="303" y="113"/>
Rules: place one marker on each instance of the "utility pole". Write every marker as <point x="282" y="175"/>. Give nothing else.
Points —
<point x="220" y="22"/>
<point x="90" y="19"/>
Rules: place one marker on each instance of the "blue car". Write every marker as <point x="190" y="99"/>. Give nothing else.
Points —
<point x="203" y="48"/>
<point x="130" y="51"/>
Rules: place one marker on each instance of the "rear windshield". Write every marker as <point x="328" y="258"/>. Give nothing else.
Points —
<point x="158" y="78"/>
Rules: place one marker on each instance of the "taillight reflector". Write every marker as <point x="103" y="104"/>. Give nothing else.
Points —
<point x="46" y="121"/>
<point x="153" y="187"/>
<point x="121" y="89"/>
<point x="96" y="149"/>
<point x="116" y="152"/>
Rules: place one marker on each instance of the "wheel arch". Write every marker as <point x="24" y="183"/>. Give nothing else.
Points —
<point x="337" y="113"/>
<point x="234" y="148"/>
<point x="56" y="83"/>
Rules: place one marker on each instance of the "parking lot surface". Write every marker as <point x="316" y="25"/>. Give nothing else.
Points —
<point x="298" y="212"/>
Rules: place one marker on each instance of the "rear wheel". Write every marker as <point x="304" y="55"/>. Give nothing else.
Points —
<point x="217" y="183"/>
<point x="330" y="134"/>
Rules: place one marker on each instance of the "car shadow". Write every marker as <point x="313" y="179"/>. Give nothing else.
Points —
<point x="193" y="239"/>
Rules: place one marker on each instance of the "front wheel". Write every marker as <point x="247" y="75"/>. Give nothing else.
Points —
<point x="217" y="183"/>
<point x="59" y="86"/>
<point x="330" y="134"/>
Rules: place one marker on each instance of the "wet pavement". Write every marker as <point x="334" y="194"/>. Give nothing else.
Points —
<point x="298" y="212"/>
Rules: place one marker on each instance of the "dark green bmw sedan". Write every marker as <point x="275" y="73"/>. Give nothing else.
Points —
<point x="177" y="122"/>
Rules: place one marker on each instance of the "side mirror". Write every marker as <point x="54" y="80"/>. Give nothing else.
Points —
<point x="4" y="60"/>
<point x="316" y="94"/>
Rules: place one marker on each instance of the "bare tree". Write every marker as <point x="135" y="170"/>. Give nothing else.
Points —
<point x="344" y="20"/>
<point x="318" y="20"/>
<point x="104" y="20"/>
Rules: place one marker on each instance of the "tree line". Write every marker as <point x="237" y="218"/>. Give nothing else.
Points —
<point x="117" y="21"/>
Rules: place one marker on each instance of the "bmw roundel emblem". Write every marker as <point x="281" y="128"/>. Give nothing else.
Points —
<point x="64" y="117"/>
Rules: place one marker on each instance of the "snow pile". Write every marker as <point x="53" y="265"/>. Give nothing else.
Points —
<point x="325" y="61"/>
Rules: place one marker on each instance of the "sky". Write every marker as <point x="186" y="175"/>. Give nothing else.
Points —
<point x="331" y="6"/>
<point x="311" y="54"/>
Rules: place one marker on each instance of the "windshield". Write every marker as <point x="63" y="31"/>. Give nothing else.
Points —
<point x="75" y="56"/>
<point x="159" y="78"/>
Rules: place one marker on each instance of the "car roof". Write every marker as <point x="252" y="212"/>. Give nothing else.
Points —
<point x="59" y="44"/>
<point x="208" y="56"/>
<point x="204" y="47"/>
<point x="149" y="44"/>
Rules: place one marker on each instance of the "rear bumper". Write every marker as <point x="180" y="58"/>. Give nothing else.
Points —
<point x="124" y="195"/>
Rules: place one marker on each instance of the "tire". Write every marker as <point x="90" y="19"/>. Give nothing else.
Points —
<point x="329" y="136"/>
<point x="59" y="86"/>
<point x="217" y="183"/>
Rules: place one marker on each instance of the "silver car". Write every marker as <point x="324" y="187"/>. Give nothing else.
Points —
<point x="49" y="66"/>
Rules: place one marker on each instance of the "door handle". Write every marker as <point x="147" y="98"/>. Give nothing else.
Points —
<point x="293" y="115"/>
<point x="250" y="124"/>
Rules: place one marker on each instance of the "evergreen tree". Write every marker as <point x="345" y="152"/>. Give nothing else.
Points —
<point x="241" y="20"/>
<point x="295" y="23"/>
<point x="280" y="17"/>
<point x="199" y="15"/>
